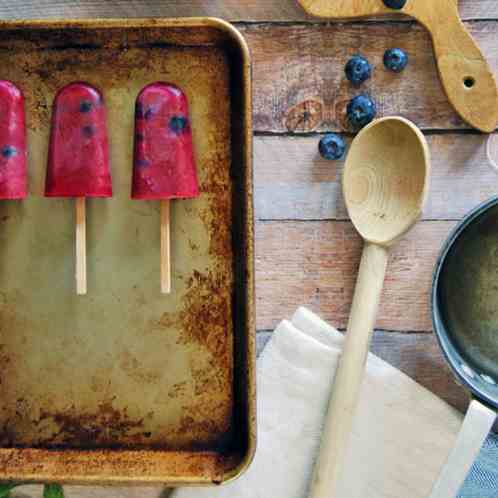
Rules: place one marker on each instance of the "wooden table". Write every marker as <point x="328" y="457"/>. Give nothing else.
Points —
<point x="307" y="252"/>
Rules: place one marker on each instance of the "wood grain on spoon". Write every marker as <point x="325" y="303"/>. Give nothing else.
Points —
<point x="385" y="179"/>
<point x="385" y="185"/>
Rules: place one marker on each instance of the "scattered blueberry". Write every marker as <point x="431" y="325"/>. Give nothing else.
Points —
<point x="178" y="124"/>
<point x="85" y="106"/>
<point x="331" y="147"/>
<point x="358" y="70"/>
<point x="88" y="131"/>
<point x="395" y="4"/>
<point x="361" y="110"/>
<point x="395" y="59"/>
<point x="9" y="151"/>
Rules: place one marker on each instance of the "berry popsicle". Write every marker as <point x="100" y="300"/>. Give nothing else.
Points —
<point x="13" y="169"/>
<point x="164" y="166"/>
<point x="78" y="158"/>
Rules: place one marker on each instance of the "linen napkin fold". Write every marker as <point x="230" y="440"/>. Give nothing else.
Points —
<point x="402" y="433"/>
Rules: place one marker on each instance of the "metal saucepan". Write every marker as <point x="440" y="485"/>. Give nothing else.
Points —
<point x="465" y="319"/>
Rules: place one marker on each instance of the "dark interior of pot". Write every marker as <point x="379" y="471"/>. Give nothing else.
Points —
<point x="466" y="302"/>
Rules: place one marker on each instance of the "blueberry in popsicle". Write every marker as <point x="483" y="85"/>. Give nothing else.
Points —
<point x="13" y="169"/>
<point x="78" y="158"/>
<point x="164" y="165"/>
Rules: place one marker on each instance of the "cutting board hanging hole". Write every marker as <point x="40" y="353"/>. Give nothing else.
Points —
<point x="469" y="82"/>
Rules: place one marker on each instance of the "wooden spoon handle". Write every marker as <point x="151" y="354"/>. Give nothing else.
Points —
<point x="349" y="375"/>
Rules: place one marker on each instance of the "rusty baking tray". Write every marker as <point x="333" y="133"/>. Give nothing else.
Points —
<point x="126" y="385"/>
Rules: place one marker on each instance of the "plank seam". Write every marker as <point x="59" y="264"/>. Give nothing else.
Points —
<point x="373" y="22"/>
<point x="310" y="134"/>
<point x="382" y="331"/>
<point x="342" y="220"/>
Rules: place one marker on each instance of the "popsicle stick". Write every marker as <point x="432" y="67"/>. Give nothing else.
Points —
<point x="165" y="248"/>
<point x="80" y="246"/>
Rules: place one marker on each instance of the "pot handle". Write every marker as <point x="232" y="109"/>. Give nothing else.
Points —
<point x="478" y="422"/>
<point x="489" y="151"/>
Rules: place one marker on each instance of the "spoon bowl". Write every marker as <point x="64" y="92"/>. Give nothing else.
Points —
<point x="385" y="185"/>
<point x="385" y="179"/>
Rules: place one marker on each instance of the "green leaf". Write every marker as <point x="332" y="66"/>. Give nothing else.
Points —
<point x="52" y="491"/>
<point x="6" y="487"/>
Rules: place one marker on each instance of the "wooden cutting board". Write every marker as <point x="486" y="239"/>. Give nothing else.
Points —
<point x="467" y="78"/>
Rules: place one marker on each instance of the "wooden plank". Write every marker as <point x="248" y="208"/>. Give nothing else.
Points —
<point x="315" y="264"/>
<point x="419" y="356"/>
<point x="233" y="10"/>
<point x="299" y="77"/>
<point x="293" y="182"/>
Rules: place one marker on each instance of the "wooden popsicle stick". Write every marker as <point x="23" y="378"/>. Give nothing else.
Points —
<point x="165" y="248"/>
<point x="80" y="245"/>
<point x="476" y="427"/>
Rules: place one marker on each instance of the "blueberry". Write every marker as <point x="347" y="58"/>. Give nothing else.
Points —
<point x="9" y="151"/>
<point x="178" y="124"/>
<point x="142" y="113"/>
<point x="142" y="163"/>
<point x="395" y="4"/>
<point x="88" y="131"/>
<point x="395" y="59"/>
<point x="331" y="147"/>
<point x="149" y="113"/>
<point x="358" y="70"/>
<point x="361" y="110"/>
<point x="85" y="106"/>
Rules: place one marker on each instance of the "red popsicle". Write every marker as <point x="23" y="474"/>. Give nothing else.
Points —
<point x="78" y="158"/>
<point x="13" y="170"/>
<point x="164" y="166"/>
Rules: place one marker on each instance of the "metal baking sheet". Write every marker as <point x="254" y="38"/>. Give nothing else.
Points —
<point x="126" y="384"/>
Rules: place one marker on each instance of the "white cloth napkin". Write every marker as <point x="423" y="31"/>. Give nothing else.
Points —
<point x="402" y="433"/>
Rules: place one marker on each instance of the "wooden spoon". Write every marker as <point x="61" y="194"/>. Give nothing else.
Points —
<point x="467" y="78"/>
<point x="385" y="185"/>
